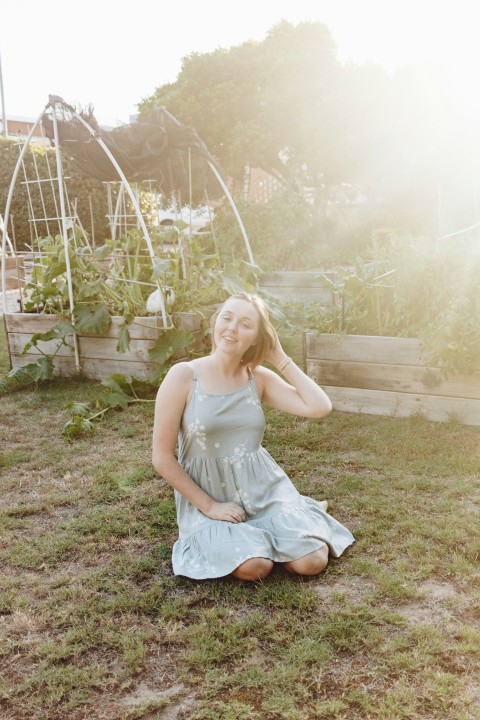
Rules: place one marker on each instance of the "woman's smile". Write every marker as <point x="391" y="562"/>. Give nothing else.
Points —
<point x="237" y="325"/>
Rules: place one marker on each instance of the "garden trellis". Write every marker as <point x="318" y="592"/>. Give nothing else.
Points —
<point x="158" y="151"/>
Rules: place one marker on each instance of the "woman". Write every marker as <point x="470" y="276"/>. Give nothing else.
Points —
<point x="238" y="512"/>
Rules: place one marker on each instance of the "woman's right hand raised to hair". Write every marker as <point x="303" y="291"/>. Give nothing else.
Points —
<point x="226" y="511"/>
<point x="276" y="355"/>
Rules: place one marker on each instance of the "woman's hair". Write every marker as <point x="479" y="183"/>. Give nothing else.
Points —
<point x="256" y="354"/>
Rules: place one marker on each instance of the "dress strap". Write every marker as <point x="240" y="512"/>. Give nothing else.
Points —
<point x="194" y="370"/>
<point x="250" y="373"/>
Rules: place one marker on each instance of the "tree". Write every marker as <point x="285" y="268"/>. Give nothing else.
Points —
<point x="287" y="105"/>
<point x="253" y="103"/>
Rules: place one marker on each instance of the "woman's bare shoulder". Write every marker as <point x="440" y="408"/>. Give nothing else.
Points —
<point x="262" y="372"/>
<point x="179" y="376"/>
<point x="180" y="372"/>
<point x="261" y="376"/>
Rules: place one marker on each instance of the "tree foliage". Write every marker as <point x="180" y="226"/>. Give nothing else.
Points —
<point x="286" y="104"/>
<point x="248" y="103"/>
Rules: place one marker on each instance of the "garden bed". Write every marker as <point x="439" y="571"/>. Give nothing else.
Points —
<point x="388" y="376"/>
<point x="99" y="356"/>
<point x="14" y="273"/>
<point x="298" y="286"/>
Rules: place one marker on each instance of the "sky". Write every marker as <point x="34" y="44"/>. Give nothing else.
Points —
<point x="114" y="54"/>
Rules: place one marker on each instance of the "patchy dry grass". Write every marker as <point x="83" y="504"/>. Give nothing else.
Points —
<point x="93" y="624"/>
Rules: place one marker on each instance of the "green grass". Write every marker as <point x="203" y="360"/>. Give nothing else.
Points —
<point x="94" y="625"/>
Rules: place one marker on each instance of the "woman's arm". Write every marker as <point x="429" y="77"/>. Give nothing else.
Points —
<point x="169" y="406"/>
<point x="300" y="395"/>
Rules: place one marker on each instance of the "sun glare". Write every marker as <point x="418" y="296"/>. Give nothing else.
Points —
<point x="462" y="74"/>
<point x="442" y="34"/>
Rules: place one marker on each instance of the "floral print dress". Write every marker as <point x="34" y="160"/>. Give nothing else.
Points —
<point x="220" y="448"/>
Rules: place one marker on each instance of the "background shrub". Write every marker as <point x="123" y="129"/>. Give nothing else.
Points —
<point x="87" y="196"/>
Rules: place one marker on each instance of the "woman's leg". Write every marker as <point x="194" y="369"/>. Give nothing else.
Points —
<point x="256" y="568"/>
<point x="310" y="564"/>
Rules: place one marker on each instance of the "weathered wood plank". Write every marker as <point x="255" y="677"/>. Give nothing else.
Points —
<point x="388" y="376"/>
<point x="147" y="328"/>
<point x="360" y="348"/>
<point x="92" y="368"/>
<point x="89" y="347"/>
<point x="29" y="323"/>
<point x="379" y="402"/>
<point x="300" y="287"/>
<point x="17" y="341"/>
<point x="14" y="273"/>
<point x="98" y="354"/>
<point x="394" y="378"/>
<point x="293" y="279"/>
<point x="301" y="295"/>
<point x="141" y="328"/>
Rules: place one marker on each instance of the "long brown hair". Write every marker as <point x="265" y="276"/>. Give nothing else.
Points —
<point x="256" y="354"/>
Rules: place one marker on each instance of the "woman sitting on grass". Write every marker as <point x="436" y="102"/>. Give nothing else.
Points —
<point x="238" y="512"/>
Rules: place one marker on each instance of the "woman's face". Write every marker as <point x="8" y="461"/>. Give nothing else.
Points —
<point x="236" y="327"/>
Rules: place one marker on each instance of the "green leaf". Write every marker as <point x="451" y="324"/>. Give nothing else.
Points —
<point x="116" y="399"/>
<point x="143" y="387"/>
<point x="168" y="343"/>
<point x="160" y="267"/>
<point x="21" y="375"/>
<point x="115" y="382"/>
<point x="42" y="369"/>
<point x="92" y="318"/>
<point x="62" y="329"/>
<point x="54" y="270"/>
<point x="59" y="331"/>
<point x="131" y="386"/>
<point x="123" y="343"/>
<point x="78" y="408"/>
<point x="101" y="253"/>
<point x="89" y="291"/>
<point x="233" y="284"/>
<point x="76" y="426"/>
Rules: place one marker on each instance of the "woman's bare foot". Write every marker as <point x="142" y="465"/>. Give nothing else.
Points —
<point x="324" y="505"/>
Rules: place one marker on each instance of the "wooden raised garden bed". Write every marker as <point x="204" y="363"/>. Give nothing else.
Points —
<point x="14" y="273"/>
<point x="99" y="357"/>
<point x="388" y="376"/>
<point x="298" y="286"/>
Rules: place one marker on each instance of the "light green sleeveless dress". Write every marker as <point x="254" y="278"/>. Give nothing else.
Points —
<point x="220" y="448"/>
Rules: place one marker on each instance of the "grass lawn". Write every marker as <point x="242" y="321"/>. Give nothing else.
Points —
<point x="94" y="625"/>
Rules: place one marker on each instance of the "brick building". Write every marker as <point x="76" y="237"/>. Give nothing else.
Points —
<point x="19" y="126"/>
<point x="257" y="185"/>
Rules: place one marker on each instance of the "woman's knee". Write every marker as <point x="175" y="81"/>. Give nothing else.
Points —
<point x="253" y="569"/>
<point x="310" y="564"/>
